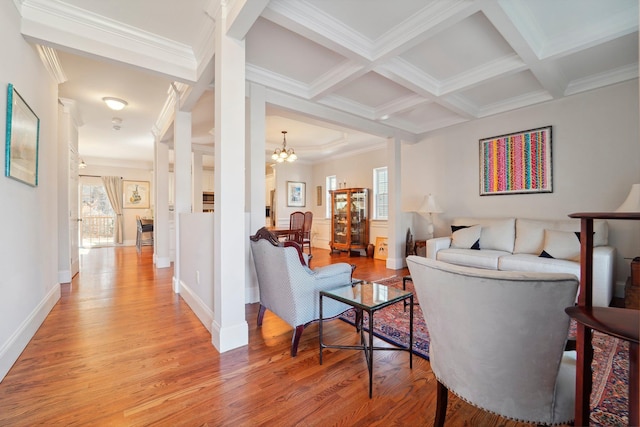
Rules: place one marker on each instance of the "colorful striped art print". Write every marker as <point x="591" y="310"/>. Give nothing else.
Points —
<point x="516" y="163"/>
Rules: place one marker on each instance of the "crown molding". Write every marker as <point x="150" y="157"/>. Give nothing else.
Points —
<point x="618" y="75"/>
<point x="49" y="58"/>
<point x="62" y="25"/>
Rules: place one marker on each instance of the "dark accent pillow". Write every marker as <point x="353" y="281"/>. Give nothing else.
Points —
<point x="465" y="236"/>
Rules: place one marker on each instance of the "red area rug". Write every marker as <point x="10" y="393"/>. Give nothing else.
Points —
<point x="610" y="362"/>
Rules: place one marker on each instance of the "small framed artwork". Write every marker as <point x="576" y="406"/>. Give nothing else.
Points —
<point x="23" y="131"/>
<point x="516" y="163"/>
<point x="296" y="194"/>
<point x="319" y="195"/>
<point x="382" y="248"/>
<point x="135" y="194"/>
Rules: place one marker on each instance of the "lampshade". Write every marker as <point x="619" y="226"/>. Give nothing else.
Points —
<point x="115" y="103"/>
<point x="430" y="205"/>
<point x="632" y="203"/>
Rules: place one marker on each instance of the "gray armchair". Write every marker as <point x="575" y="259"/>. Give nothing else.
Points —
<point x="497" y="339"/>
<point x="289" y="288"/>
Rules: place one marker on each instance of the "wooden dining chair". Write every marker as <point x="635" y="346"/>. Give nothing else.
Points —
<point x="306" y="230"/>
<point x="296" y="226"/>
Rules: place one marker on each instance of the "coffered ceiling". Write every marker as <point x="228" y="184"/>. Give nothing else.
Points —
<point x="341" y="75"/>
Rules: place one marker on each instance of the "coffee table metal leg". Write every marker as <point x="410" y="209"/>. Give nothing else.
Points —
<point x="370" y="354"/>
<point x="320" y="329"/>
<point x="411" y="332"/>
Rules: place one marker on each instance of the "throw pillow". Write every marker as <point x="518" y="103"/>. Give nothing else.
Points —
<point x="561" y="245"/>
<point x="465" y="236"/>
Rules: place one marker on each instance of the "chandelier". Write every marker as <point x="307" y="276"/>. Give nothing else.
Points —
<point x="282" y="154"/>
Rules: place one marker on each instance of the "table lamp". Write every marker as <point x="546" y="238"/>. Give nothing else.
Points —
<point x="430" y="206"/>
<point x="632" y="203"/>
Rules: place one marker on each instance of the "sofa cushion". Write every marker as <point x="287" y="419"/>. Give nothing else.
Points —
<point x="465" y="237"/>
<point x="530" y="262"/>
<point x="530" y="233"/>
<point x="561" y="244"/>
<point x="485" y="258"/>
<point x="497" y="233"/>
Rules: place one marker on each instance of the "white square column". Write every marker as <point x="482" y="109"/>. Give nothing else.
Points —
<point x="161" y="255"/>
<point x="229" y="328"/>
<point x="395" y="259"/>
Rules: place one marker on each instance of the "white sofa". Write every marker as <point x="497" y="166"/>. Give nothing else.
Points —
<point x="520" y="244"/>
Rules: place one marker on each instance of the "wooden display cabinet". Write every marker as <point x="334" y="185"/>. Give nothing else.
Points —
<point x="349" y="219"/>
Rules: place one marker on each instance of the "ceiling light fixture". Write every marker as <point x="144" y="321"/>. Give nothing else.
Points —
<point x="282" y="154"/>
<point x="116" y="104"/>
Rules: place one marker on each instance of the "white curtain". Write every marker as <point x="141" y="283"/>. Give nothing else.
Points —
<point x="113" y="186"/>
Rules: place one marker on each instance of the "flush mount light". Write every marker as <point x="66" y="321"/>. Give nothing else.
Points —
<point x="115" y="103"/>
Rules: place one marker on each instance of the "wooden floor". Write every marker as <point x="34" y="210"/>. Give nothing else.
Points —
<point x="121" y="349"/>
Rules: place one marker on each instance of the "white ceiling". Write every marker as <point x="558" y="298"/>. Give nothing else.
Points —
<point x="340" y="74"/>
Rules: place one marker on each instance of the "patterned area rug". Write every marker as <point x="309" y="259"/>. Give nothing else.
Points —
<point x="610" y="361"/>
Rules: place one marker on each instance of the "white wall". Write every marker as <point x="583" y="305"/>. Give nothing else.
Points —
<point x="595" y="153"/>
<point x="29" y="251"/>
<point x="196" y="264"/>
<point x="283" y="172"/>
<point x="357" y="171"/>
<point x="132" y="174"/>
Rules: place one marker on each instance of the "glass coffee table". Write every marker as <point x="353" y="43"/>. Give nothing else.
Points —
<point x="368" y="297"/>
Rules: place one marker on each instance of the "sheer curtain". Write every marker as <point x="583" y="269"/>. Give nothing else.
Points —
<point x="113" y="186"/>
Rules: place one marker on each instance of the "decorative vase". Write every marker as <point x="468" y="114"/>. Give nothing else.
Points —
<point x="370" y="250"/>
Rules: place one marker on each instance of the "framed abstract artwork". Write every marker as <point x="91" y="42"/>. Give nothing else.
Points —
<point x="296" y="194"/>
<point x="516" y="163"/>
<point x="23" y="131"/>
<point x="135" y="194"/>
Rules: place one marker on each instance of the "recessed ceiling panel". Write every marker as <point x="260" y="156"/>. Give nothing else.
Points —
<point x="373" y="90"/>
<point x="467" y="44"/>
<point x="558" y="19"/>
<point x="608" y="56"/>
<point x="284" y="52"/>
<point x="427" y="115"/>
<point x="371" y="18"/>
<point x="503" y="89"/>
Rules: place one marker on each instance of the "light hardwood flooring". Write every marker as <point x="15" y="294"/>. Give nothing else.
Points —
<point x="121" y="349"/>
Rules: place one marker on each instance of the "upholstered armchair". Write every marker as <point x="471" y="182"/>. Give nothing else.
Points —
<point x="289" y="288"/>
<point x="497" y="339"/>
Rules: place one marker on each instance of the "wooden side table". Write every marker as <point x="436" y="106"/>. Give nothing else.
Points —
<point x="421" y="248"/>
<point x="631" y="295"/>
<point x="612" y="321"/>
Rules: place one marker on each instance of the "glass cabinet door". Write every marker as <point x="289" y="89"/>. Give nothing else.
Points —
<point x="340" y="218"/>
<point x="358" y="212"/>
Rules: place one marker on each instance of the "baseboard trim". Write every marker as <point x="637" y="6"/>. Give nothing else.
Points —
<point x="162" y="262"/>
<point x="64" y="276"/>
<point x="11" y="350"/>
<point x="199" y="308"/>
<point x="225" y="339"/>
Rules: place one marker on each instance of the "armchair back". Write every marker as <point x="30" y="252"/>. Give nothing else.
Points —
<point x="498" y="337"/>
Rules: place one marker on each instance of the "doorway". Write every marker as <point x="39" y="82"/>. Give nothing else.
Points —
<point x="97" y="217"/>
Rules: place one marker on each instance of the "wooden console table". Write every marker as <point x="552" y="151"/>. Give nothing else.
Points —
<point x="620" y="323"/>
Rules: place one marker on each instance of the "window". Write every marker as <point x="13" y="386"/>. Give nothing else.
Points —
<point x="380" y="193"/>
<point x="330" y="184"/>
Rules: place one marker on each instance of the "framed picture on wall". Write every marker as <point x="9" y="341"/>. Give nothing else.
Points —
<point x="23" y="130"/>
<point x="135" y="194"/>
<point x="296" y="194"/>
<point x="516" y="163"/>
